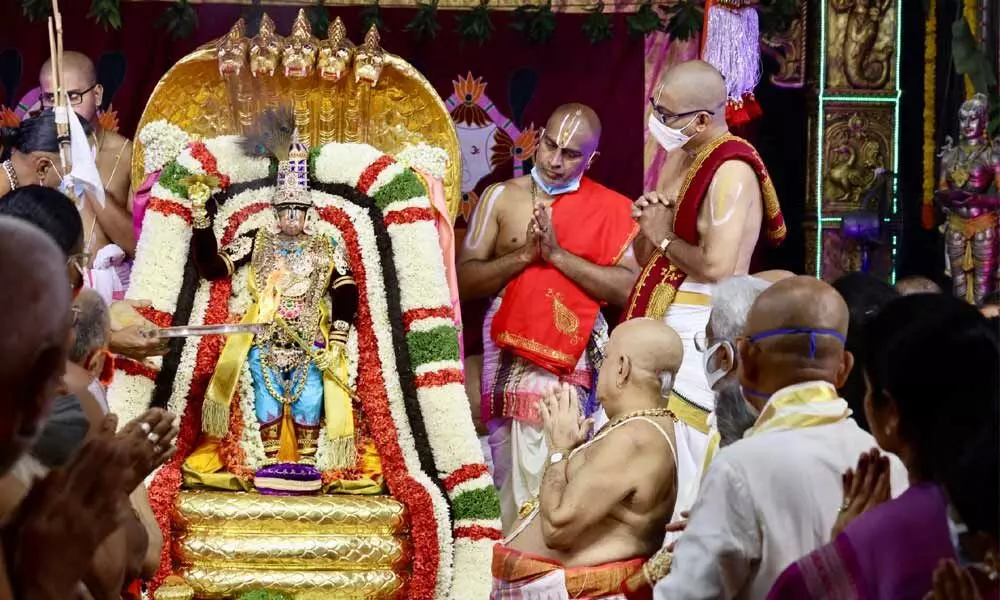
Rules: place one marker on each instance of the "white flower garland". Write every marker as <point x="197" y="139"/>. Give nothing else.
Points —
<point x="161" y="142"/>
<point x="162" y="250"/>
<point x="380" y="321"/>
<point x="344" y="163"/>
<point x="250" y="440"/>
<point x="128" y="396"/>
<point x="430" y="159"/>
<point x="416" y="269"/>
<point x="234" y="163"/>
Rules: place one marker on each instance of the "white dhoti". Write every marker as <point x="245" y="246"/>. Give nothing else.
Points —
<point x="692" y="399"/>
<point x="511" y="390"/>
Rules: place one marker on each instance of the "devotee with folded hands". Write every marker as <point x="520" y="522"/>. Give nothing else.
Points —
<point x="603" y="502"/>
<point x="773" y="496"/>
<point x="889" y="549"/>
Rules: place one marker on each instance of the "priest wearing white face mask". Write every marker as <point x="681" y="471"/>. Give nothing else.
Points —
<point x="551" y="248"/>
<point x="701" y="227"/>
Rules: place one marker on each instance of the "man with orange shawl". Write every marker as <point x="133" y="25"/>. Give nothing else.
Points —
<point x="552" y="247"/>
<point x="703" y="226"/>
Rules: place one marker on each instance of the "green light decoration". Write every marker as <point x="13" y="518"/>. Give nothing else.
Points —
<point x="894" y="100"/>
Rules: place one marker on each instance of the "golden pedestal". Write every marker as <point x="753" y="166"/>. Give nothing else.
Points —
<point x="306" y="546"/>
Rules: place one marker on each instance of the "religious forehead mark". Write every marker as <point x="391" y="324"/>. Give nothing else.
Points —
<point x="568" y="127"/>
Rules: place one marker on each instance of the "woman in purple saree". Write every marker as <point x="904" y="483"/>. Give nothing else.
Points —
<point x="931" y="369"/>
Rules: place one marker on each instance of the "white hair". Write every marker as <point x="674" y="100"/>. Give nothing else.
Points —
<point x="731" y="302"/>
<point x="666" y="383"/>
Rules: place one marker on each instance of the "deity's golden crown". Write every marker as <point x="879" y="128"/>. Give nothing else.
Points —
<point x="293" y="177"/>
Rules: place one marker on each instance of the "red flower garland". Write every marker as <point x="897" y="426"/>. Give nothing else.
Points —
<point x="168" y="208"/>
<point x="375" y="401"/>
<point x="463" y="474"/>
<point x="201" y="153"/>
<point x="416" y="314"/>
<point x="372" y="171"/>
<point x="413" y="214"/>
<point x="478" y="532"/>
<point x="131" y="367"/>
<point x="156" y="317"/>
<point x="439" y="378"/>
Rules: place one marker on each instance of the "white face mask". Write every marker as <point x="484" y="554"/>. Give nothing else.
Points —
<point x="668" y="137"/>
<point x="715" y="375"/>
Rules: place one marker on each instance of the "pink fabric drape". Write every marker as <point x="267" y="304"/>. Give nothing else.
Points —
<point x="661" y="54"/>
<point x="141" y="200"/>
<point x="446" y="237"/>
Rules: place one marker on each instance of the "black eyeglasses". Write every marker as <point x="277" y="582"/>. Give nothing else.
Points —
<point x="75" y="96"/>
<point x="665" y="115"/>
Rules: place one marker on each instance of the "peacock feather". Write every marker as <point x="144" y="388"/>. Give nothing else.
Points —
<point x="271" y="133"/>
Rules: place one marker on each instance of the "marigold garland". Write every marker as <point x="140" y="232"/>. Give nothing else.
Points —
<point x="930" y="112"/>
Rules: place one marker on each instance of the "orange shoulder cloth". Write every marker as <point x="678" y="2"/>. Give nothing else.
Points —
<point x="545" y="317"/>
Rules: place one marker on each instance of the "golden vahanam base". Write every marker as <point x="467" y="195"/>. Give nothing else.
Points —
<point x="321" y="551"/>
<point x="228" y="511"/>
<point x="305" y="546"/>
<point x="302" y="585"/>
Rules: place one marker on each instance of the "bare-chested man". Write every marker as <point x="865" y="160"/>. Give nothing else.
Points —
<point x="111" y="224"/>
<point x="603" y="503"/>
<point x="701" y="228"/>
<point x="552" y="248"/>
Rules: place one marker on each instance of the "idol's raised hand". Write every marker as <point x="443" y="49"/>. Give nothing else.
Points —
<point x="563" y="421"/>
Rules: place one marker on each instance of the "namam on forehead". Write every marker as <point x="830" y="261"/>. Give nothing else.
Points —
<point x="35" y="313"/>
<point x="77" y="69"/>
<point x="691" y="85"/>
<point x="574" y="127"/>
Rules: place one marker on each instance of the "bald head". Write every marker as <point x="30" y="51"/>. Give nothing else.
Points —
<point x="79" y="77"/>
<point x="643" y="356"/>
<point x="774" y="275"/>
<point x="74" y="64"/>
<point x="691" y="85"/>
<point x="568" y="146"/>
<point x="35" y="319"/>
<point x="799" y="301"/>
<point x="779" y="356"/>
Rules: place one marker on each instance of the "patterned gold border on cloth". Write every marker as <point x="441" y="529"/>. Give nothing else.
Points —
<point x="402" y="109"/>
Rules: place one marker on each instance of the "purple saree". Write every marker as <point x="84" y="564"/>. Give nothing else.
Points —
<point x="888" y="553"/>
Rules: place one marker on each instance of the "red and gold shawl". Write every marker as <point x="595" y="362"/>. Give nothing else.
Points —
<point x="659" y="281"/>
<point x="545" y="317"/>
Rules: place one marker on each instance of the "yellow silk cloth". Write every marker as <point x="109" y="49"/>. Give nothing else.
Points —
<point x="809" y="404"/>
<point x="804" y="405"/>
<point x="337" y="404"/>
<point x="204" y="469"/>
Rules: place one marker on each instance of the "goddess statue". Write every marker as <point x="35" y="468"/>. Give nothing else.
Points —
<point x="970" y="171"/>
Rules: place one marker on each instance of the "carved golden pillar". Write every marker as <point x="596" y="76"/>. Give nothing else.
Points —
<point x="854" y="131"/>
